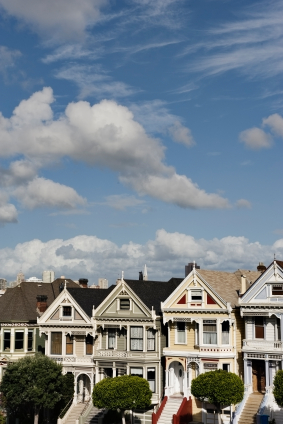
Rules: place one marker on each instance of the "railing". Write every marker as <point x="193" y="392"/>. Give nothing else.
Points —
<point x="155" y="416"/>
<point x="184" y="414"/>
<point x="261" y="345"/>
<point x="84" y="414"/>
<point x="216" y="349"/>
<point x="113" y="353"/>
<point x="64" y="410"/>
<point x="80" y="359"/>
<point x="240" y="408"/>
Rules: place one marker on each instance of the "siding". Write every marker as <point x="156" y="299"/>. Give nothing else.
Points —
<point x="240" y="334"/>
<point x="197" y="410"/>
<point x="249" y="327"/>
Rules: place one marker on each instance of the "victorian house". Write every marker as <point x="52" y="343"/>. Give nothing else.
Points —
<point x="205" y="332"/>
<point x="261" y="308"/>
<point x="103" y="333"/>
<point x="19" y="309"/>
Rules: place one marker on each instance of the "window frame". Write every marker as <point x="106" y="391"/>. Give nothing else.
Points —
<point x="7" y="332"/>
<point x="148" y="369"/>
<point x="69" y="343"/>
<point x="32" y="341"/>
<point x="228" y="366"/>
<point x="136" y="338"/>
<point x="120" y="304"/>
<point x="87" y="344"/>
<point x="150" y="339"/>
<point x="52" y="341"/>
<point x="113" y="331"/>
<point x="259" y="326"/>
<point x="17" y="332"/>
<point x="178" y="332"/>
<point x="137" y="368"/>
<point x="212" y="322"/>
<point x="223" y="332"/>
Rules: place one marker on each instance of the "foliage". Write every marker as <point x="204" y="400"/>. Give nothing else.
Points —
<point x="33" y="383"/>
<point x="125" y="392"/>
<point x="219" y="388"/>
<point x="278" y="388"/>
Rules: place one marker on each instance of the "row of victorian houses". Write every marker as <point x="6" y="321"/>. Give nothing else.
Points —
<point x="166" y="332"/>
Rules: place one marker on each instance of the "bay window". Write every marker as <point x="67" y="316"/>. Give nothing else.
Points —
<point x="7" y="341"/>
<point x="225" y="332"/>
<point x="30" y="340"/>
<point x="259" y="327"/>
<point x="181" y="332"/>
<point x="19" y="340"/>
<point x="111" y="338"/>
<point x="151" y="339"/>
<point x="69" y="345"/>
<point x="209" y="331"/>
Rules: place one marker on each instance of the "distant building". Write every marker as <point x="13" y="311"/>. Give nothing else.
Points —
<point x="103" y="283"/>
<point x="34" y="280"/>
<point x="20" y="278"/>
<point x="48" y="276"/>
<point x="3" y="284"/>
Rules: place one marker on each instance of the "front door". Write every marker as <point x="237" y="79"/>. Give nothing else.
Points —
<point x="258" y="376"/>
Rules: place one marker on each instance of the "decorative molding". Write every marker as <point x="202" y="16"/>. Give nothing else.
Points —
<point x="123" y="293"/>
<point x="18" y="324"/>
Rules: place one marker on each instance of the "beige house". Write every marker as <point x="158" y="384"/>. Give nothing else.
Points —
<point x="205" y="332"/>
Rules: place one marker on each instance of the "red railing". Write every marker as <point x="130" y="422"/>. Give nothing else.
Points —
<point x="184" y="414"/>
<point x="155" y="416"/>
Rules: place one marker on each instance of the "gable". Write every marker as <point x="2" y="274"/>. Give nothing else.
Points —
<point x="267" y="289"/>
<point x="123" y="302"/>
<point x="194" y="293"/>
<point x="64" y="309"/>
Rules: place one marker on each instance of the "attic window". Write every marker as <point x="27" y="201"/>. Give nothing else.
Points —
<point x="277" y="290"/>
<point x="67" y="311"/>
<point x="196" y="295"/>
<point x="125" y="304"/>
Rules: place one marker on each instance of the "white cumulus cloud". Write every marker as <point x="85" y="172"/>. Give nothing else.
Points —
<point x="105" y="135"/>
<point x="256" y="138"/>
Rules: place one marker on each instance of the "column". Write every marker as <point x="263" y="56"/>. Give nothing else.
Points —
<point x="63" y="343"/>
<point x="114" y="369"/>
<point x="267" y="374"/>
<point x="144" y="339"/>
<point x="246" y="376"/>
<point x="26" y="339"/>
<point x="12" y="345"/>
<point x="96" y="373"/>
<point x="128" y="338"/>
<point x="167" y="378"/>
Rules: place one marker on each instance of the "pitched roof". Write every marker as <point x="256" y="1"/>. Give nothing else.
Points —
<point x="227" y="284"/>
<point x="18" y="304"/>
<point x="87" y="298"/>
<point x="152" y="293"/>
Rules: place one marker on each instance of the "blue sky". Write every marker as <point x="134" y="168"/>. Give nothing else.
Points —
<point x="142" y="131"/>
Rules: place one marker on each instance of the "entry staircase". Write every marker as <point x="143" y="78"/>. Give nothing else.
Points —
<point x="72" y="414"/>
<point x="248" y="415"/>
<point x="171" y="407"/>
<point x="94" y="415"/>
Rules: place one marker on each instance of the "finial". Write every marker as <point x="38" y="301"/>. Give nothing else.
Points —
<point x="122" y="275"/>
<point x="65" y="286"/>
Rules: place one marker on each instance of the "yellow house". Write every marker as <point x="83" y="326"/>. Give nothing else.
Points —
<point x="205" y="332"/>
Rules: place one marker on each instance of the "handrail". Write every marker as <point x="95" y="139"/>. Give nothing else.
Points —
<point x="86" y="406"/>
<point x="242" y="404"/>
<point x="64" y="410"/>
<point x="184" y="413"/>
<point x="155" y="416"/>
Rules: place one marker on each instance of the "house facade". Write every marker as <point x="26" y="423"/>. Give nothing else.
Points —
<point x="261" y="308"/>
<point x="205" y="332"/>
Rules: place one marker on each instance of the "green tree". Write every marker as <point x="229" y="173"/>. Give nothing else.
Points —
<point x="278" y="388"/>
<point x="125" y="392"/>
<point x="220" y="388"/>
<point x="33" y="382"/>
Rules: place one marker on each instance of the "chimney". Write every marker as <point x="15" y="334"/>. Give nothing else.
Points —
<point x="243" y="284"/>
<point x="190" y="267"/>
<point x="261" y="267"/>
<point x="83" y="283"/>
<point x="145" y="276"/>
<point x="41" y="302"/>
<point x="140" y="276"/>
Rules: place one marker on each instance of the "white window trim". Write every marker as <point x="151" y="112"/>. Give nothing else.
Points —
<point x="155" y="381"/>
<point x="264" y="329"/>
<point x="118" y="303"/>
<point x="176" y="334"/>
<point x="23" y="349"/>
<point x="154" y="350"/>
<point x="65" y="318"/>
<point x="217" y="334"/>
<point x="192" y="289"/>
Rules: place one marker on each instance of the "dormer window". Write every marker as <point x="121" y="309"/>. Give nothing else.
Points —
<point x="196" y="295"/>
<point x="125" y="304"/>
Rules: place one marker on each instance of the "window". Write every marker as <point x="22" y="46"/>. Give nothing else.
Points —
<point x="89" y="344"/>
<point x="7" y="340"/>
<point x="225" y="332"/>
<point x="196" y="334"/>
<point x="226" y="367"/>
<point x="277" y="290"/>
<point x="56" y="343"/>
<point x="19" y="340"/>
<point x="209" y="332"/>
<point x="196" y="295"/>
<point x="67" y="311"/>
<point x="151" y="339"/>
<point x="125" y="304"/>
<point x="69" y="345"/>
<point x="207" y="366"/>
<point x="30" y="340"/>
<point x="181" y="332"/>
<point x="151" y="378"/>
<point x="111" y="338"/>
<point x="278" y="329"/>
<point x="259" y="327"/>
<point x="136" y="338"/>
<point x="138" y="372"/>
